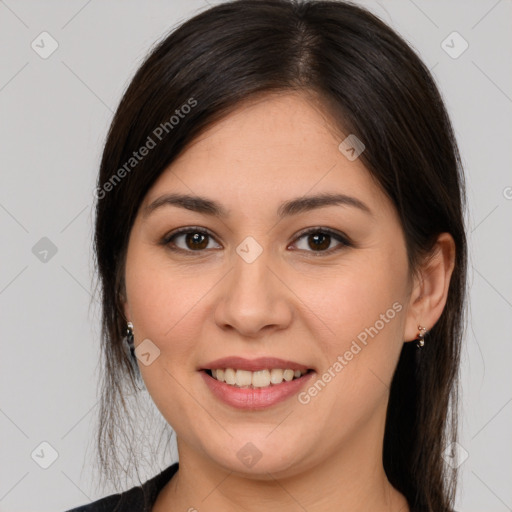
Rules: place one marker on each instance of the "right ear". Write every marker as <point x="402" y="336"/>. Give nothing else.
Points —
<point x="127" y="313"/>
<point x="123" y="300"/>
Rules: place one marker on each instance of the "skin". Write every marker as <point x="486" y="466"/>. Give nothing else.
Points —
<point x="294" y="302"/>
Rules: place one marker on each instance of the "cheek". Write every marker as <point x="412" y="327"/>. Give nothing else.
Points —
<point x="157" y="292"/>
<point x="169" y="305"/>
<point x="355" y="296"/>
<point x="152" y="303"/>
<point x="164" y="305"/>
<point x="361" y="315"/>
<point x="156" y="299"/>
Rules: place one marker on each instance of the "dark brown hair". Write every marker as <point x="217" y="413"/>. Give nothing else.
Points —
<point x="378" y="89"/>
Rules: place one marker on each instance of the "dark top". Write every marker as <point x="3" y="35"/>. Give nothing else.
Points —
<point x="137" y="499"/>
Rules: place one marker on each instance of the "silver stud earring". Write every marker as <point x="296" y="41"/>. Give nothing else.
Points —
<point x="129" y="337"/>
<point x="421" y="336"/>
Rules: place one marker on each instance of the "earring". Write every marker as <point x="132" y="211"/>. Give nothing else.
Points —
<point x="421" y="336"/>
<point x="129" y="337"/>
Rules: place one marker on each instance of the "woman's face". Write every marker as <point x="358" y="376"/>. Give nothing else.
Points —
<point x="249" y="283"/>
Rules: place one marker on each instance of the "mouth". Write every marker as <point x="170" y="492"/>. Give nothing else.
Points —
<point x="255" y="380"/>
<point x="255" y="384"/>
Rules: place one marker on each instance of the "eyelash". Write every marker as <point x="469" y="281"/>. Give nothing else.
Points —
<point x="343" y="240"/>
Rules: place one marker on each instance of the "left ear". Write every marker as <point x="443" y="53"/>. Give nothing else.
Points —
<point x="430" y="288"/>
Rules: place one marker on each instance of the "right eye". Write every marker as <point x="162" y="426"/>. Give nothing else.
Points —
<point x="193" y="239"/>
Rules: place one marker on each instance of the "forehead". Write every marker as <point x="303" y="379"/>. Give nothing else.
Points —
<point x="270" y="148"/>
<point x="289" y="126"/>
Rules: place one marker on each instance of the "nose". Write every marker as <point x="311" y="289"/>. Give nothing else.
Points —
<point x="253" y="300"/>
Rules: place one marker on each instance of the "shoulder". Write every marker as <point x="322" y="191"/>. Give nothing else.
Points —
<point x="137" y="499"/>
<point x="413" y="509"/>
<point x="107" y="504"/>
<point x="423" y="510"/>
<point x="131" y="500"/>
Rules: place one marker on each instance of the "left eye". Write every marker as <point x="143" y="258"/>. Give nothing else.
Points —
<point x="319" y="240"/>
<point x="315" y="240"/>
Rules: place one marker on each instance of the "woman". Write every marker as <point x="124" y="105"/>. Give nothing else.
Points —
<point x="280" y="244"/>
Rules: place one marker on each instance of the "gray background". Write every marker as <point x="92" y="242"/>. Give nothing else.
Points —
<point x="54" y="114"/>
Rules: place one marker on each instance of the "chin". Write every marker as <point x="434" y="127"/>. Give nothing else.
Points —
<point x="258" y="459"/>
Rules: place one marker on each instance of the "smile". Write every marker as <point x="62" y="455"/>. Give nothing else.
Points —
<point x="250" y="397"/>
<point x="258" y="379"/>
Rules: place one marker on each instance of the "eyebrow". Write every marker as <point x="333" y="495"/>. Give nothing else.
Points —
<point x="293" y="207"/>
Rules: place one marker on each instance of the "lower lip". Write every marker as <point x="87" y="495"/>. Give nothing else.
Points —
<point x="255" y="398"/>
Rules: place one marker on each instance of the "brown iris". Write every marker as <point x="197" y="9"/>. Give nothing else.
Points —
<point x="321" y="241"/>
<point x="199" y="241"/>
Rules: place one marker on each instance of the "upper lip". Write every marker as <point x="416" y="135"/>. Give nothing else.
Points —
<point x="253" y="365"/>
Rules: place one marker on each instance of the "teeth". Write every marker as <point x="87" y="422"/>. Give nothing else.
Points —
<point x="258" y="379"/>
<point x="288" y="375"/>
<point x="243" y="378"/>
<point x="276" y="376"/>
<point x="261" y="379"/>
<point x="230" y="376"/>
